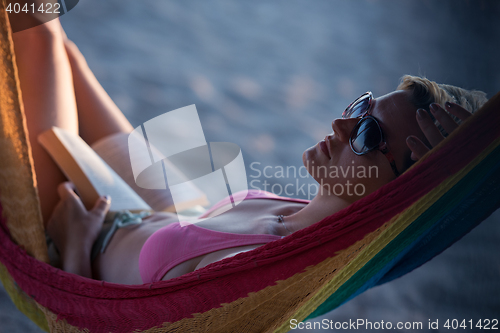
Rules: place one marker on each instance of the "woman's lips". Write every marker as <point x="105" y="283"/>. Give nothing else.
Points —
<point x="324" y="147"/>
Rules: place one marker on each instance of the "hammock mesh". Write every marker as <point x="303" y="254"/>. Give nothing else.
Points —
<point x="375" y="240"/>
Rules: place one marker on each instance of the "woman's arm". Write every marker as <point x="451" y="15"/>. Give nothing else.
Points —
<point x="74" y="229"/>
<point x="431" y="132"/>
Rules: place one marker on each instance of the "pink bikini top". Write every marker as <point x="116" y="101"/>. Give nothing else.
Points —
<point x="173" y="244"/>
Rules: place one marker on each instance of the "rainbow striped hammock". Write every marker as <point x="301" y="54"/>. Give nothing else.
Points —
<point x="375" y="240"/>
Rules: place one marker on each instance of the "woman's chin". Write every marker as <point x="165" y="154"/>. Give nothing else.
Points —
<point x="315" y="157"/>
<point x="306" y="156"/>
<point x="309" y="157"/>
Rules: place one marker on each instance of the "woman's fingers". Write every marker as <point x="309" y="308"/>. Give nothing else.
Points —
<point x="66" y="191"/>
<point x="417" y="147"/>
<point x="444" y="118"/>
<point x="428" y="127"/>
<point x="101" y="206"/>
<point x="457" y="111"/>
<point x="446" y="121"/>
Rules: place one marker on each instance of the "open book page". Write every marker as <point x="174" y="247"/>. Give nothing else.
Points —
<point x="90" y="174"/>
<point x="115" y="151"/>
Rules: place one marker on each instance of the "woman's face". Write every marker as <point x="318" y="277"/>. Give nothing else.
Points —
<point x="344" y="174"/>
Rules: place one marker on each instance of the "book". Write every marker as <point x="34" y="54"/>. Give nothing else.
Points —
<point x="104" y="169"/>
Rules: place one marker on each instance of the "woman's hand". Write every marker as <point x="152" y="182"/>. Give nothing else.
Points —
<point x="431" y="131"/>
<point x="74" y="229"/>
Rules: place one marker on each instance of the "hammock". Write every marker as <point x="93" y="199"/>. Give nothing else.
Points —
<point x="375" y="240"/>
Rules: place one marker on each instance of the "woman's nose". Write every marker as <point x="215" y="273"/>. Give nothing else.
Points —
<point x="343" y="127"/>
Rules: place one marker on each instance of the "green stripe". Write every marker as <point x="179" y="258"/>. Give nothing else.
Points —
<point x="425" y="221"/>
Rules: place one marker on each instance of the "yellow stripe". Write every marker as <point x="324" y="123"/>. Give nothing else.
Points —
<point x="24" y="303"/>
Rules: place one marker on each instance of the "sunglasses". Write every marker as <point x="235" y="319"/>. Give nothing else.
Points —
<point x="367" y="135"/>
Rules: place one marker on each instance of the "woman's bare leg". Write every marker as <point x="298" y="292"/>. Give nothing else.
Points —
<point x="48" y="98"/>
<point x="98" y="115"/>
<point x="59" y="89"/>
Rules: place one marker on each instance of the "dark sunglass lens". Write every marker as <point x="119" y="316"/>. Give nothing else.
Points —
<point x="366" y="136"/>
<point x="358" y="108"/>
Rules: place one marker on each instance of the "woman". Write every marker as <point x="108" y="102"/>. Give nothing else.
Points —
<point x="388" y="133"/>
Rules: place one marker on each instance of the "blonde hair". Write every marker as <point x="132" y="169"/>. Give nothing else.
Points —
<point x="426" y="92"/>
